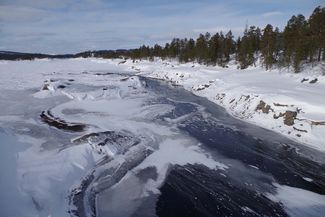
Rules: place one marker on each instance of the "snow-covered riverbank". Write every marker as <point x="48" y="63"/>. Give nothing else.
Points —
<point x="291" y="104"/>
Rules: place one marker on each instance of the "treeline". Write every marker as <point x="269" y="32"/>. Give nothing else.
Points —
<point x="8" y="55"/>
<point x="301" y="41"/>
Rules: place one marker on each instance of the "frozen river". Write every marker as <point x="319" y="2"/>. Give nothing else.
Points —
<point x="117" y="145"/>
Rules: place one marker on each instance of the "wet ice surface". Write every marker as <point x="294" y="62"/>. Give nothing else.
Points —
<point x="105" y="144"/>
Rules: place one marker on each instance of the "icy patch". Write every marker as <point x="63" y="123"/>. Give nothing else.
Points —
<point x="299" y="202"/>
<point x="14" y="201"/>
<point x="124" y="198"/>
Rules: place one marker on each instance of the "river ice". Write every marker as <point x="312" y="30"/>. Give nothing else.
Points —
<point x="107" y="143"/>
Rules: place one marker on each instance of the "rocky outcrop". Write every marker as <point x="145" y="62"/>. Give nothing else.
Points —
<point x="288" y="117"/>
<point x="262" y="106"/>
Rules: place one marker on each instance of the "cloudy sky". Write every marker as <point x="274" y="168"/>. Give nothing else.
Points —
<point x="68" y="26"/>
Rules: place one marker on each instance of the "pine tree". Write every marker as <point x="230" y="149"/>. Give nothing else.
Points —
<point x="214" y="47"/>
<point x="278" y="47"/>
<point x="201" y="49"/>
<point x="229" y="46"/>
<point x="317" y="31"/>
<point x="268" y="46"/>
<point x="295" y="44"/>
<point x="249" y="46"/>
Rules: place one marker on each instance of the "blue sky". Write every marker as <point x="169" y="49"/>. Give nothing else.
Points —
<point x="68" y="26"/>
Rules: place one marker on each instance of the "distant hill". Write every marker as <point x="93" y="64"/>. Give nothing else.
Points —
<point x="9" y="55"/>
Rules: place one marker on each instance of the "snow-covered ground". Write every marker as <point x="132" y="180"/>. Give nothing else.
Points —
<point x="288" y="103"/>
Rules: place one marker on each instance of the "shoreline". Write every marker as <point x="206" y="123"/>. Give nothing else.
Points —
<point x="275" y="111"/>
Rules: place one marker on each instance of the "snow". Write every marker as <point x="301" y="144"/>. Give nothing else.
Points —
<point x="9" y="180"/>
<point x="119" y="103"/>
<point x="43" y="173"/>
<point x="309" y="204"/>
<point x="240" y="91"/>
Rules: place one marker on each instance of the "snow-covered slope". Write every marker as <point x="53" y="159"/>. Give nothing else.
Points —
<point x="291" y="104"/>
<point x="288" y="103"/>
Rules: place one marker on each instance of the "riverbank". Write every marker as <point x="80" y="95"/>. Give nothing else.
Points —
<point x="288" y="103"/>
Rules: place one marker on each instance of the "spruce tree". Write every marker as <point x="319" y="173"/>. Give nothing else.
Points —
<point x="317" y="31"/>
<point x="201" y="49"/>
<point x="295" y="43"/>
<point x="268" y="46"/>
<point x="229" y="45"/>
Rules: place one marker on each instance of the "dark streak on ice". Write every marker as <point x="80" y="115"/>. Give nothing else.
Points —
<point x="58" y="123"/>
<point x="109" y="137"/>
<point x="195" y="190"/>
<point x="284" y="163"/>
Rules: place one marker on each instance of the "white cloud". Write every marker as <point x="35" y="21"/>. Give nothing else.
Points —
<point x="44" y="4"/>
<point x="21" y="13"/>
<point x="272" y="13"/>
<point x="236" y="30"/>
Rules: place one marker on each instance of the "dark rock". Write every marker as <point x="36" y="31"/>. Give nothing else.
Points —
<point x="304" y="79"/>
<point x="281" y="105"/>
<point x="61" y="86"/>
<point x="58" y="123"/>
<point x="288" y="117"/>
<point x="200" y="88"/>
<point x="45" y="87"/>
<point x="300" y="130"/>
<point x="125" y="79"/>
<point x="317" y="123"/>
<point x="265" y="108"/>
<point x="122" y="62"/>
<point x="313" y="81"/>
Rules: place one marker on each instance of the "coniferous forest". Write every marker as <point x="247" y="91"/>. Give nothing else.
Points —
<point x="301" y="41"/>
